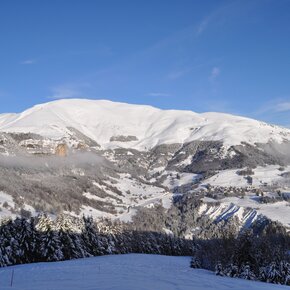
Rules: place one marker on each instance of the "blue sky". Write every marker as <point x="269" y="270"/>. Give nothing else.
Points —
<point x="227" y="56"/>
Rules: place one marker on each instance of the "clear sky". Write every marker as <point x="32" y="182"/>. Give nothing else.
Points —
<point x="201" y="55"/>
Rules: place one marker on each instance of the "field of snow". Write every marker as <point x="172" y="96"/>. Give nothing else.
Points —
<point x="121" y="272"/>
<point x="100" y="120"/>
<point x="183" y="178"/>
<point x="262" y="175"/>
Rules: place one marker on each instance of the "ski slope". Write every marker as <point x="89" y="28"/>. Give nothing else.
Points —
<point x="121" y="272"/>
<point x="101" y="120"/>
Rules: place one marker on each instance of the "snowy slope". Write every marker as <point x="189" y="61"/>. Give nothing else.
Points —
<point x="247" y="209"/>
<point x="122" y="272"/>
<point x="100" y="120"/>
<point x="261" y="175"/>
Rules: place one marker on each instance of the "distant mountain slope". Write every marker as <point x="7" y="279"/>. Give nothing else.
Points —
<point x="136" y="126"/>
<point x="107" y="159"/>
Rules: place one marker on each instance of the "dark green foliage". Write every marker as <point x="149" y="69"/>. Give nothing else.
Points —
<point x="195" y="263"/>
<point x="43" y="240"/>
<point x="219" y="269"/>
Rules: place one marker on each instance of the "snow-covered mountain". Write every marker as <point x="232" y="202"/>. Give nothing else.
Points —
<point x="141" y="127"/>
<point x="120" y="157"/>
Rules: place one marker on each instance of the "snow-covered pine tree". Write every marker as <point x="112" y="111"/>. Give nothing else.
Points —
<point x="90" y="236"/>
<point x="70" y="230"/>
<point x="243" y="253"/>
<point x="4" y="261"/>
<point x="274" y="275"/>
<point x="246" y="273"/>
<point x="194" y="263"/>
<point x="232" y="271"/>
<point x="32" y="240"/>
<point x="9" y="244"/>
<point x="26" y="237"/>
<point x="219" y="269"/>
<point x="285" y="272"/>
<point x="263" y="274"/>
<point x="49" y="247"/>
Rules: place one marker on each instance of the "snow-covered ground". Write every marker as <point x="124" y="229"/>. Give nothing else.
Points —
<point x="175" y="178"/>
<point x="262" y="175"/>
<point x="121" y="272"/>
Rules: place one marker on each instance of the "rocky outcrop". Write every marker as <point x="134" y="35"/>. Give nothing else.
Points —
<point x="61" y="150"/>
<point x="122" y="138"/>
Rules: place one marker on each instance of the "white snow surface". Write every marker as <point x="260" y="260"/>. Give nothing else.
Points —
<point x="122" y="272"/>
<point x="269" y="175"/>
<point x="184" y="178"/>
<point x="235" y="206"/>
<point x="100" y="120"/>
<point x="6" y="211"/>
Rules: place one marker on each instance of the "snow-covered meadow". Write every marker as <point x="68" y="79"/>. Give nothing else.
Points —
<point x="122" y="272"/>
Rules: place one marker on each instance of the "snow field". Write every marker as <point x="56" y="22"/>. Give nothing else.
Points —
<point x="122" y="272"/>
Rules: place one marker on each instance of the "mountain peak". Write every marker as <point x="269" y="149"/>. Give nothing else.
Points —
<point x="103" y="120"/>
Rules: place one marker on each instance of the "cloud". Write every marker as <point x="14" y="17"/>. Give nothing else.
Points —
<point x="28" y="61"/>
<point x="182" y="72"/>
<point x="213" y="17"/>
<point x="275" y="111"/>
<point x="68" y="91"/>
<point x="201" y="27"/>
<point x="275" y="107"/>
<point x="282" y="107"/>
<point x="158" y="95"/>
<point x="215" y="72"/>
<point x="178" y="74"/>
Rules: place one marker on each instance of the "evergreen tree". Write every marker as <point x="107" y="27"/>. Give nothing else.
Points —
<point x="219" y="269"/>
<point x="70" y="236"/>
<point x="274" y="275"/>
<point x="91" y="240"/>
<point x="194" y="263"/>
<point x="9" y="243"/>
<point x="285" y="272"/>
<point x="49" y="247"/>
<point x="246" y="273"/>
<point x="263" y="274"/>
<point x="232" y="271"/>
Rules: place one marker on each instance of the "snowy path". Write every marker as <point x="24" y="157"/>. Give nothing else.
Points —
<point x="121" y="272"/>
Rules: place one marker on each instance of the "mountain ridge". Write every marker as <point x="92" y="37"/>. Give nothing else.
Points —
<point x="103" y="120"/>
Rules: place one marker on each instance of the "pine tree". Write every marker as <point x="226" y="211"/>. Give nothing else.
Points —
<point x="26" y="237"/>
<point x="246" y="273"/>
<point x="70" y="236"/>
<point x="232" y="271"/>
<point x="263" y="274"/>
<point x="4" y="261"/>
<point x="49" y="247"/>
<point x="9" y="243"/>
<point x="274" y="275"/>
<point x="219" y="269"/>
<point x="194" y="263"/>
<point x="285" y="272"/>
<point x="91" y="240"/>
<point x="243" y="253"/>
